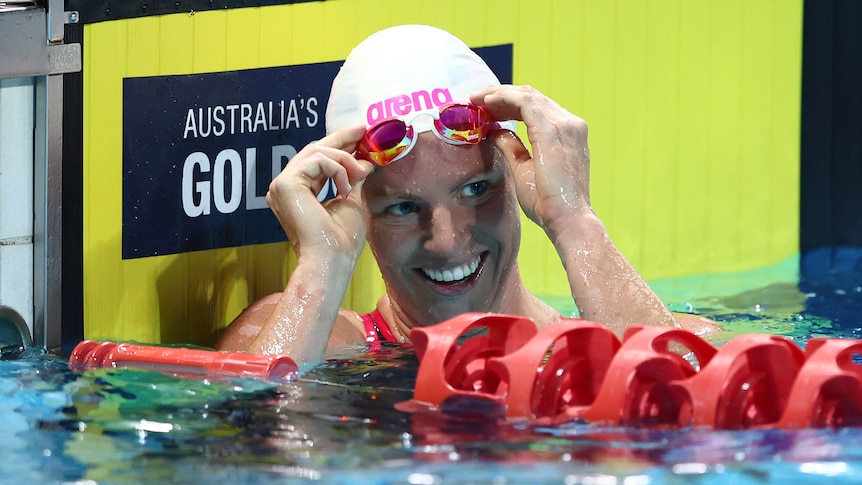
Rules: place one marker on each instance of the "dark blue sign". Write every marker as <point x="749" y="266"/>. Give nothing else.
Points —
<point x="200" y="150"/>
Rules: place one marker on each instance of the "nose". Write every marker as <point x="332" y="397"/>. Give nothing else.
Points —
<point x="448" y="231"/>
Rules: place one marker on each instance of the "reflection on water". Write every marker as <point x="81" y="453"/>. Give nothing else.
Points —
<point x="778" y="308"/>
<point x="338" y="423"/>
<point x="828" y="306"/>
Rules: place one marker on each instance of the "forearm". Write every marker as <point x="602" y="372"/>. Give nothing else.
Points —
<point x="606" y="287"/>
<point x="302" y="321"/>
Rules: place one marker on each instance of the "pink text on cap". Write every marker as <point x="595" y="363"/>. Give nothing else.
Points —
<point x="404" y="104"/>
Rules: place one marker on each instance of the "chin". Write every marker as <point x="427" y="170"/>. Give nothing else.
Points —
<point x="447" y="310"/>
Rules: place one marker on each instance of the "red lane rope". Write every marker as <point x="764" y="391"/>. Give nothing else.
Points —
<point x="89" y="355"/>
<point x="580" y="370"/>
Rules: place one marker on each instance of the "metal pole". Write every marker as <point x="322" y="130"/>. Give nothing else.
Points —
<point x="48" y="212"/>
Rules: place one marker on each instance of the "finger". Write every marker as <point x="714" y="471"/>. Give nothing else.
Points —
<point x="343" y="168"/>
<point x="330" y="164"/>
<point x="479" y="97"/>
<point x="352" y="198"/>
<point x="343" y="142"/>
<point x="306" y="174"/>
<point x="344" y="139"/>
<point x="348" y="211"/>
<point x="487" y="97"/>
<point x="511" y="146"/>
<point x="356" y="193"/>
<point x="523" y="103"/>
<point x="308" y="163"/>
<point x="507" y="102"/>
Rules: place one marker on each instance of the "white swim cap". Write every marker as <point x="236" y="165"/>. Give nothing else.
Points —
<point x="404" y="70"/>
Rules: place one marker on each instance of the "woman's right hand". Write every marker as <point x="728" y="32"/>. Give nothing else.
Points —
<point x="327" y="237"/>
<point x="337" y="226"/>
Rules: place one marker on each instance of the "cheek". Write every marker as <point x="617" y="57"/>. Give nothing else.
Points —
<point x="503" y="224"/>
<point x="503" y="212"/>
<point x="508" y="226"/>
<point x="390" y="247"/>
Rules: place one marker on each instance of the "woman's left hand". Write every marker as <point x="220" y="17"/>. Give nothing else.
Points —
<point x="553" y="182"/>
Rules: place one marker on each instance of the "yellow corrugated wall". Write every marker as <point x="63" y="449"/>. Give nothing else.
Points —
<point x="694" y="134"/>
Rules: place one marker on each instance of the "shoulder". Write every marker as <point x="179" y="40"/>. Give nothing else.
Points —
<point x="238" y="336"/>
<point x="244" y="329"/>
<point x="348" y="330"/>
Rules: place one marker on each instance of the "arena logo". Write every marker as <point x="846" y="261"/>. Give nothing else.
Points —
<point x="404" y="104"/>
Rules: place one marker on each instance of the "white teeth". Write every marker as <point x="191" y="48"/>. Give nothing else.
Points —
<point x="453" y="274"/>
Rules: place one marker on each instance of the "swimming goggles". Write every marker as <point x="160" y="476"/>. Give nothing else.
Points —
<point x="456" y="124"/>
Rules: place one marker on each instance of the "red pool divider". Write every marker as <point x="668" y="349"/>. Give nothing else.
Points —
<point x="828" y="389"/>
<point x="561" y="368"/>
<point x="580" y="370"/>
<point x="209" y="363"/>
<point x="450" y="369"/>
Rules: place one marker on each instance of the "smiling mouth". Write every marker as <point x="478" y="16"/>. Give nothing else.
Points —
<point x="454" y="274"/>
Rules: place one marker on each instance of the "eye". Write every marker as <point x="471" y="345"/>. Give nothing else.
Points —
<point x="474" y="189"/>
<point x="402" y="208"/>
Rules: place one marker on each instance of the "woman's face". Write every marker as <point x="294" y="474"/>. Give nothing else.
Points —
<point x="444" y="226"/>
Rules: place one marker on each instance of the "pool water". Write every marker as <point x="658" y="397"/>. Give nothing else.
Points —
<point x="338" y="424"/>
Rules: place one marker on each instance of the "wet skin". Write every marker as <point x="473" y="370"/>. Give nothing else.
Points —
<point x="444" y="226"/>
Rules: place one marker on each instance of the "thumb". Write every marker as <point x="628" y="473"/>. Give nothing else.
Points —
<point x="355" y="194"/>
<point x="348" y="211"/>
<point x="511" y="146"/>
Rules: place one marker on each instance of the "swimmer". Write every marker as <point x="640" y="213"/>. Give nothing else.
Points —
<point x="422" y="148"/>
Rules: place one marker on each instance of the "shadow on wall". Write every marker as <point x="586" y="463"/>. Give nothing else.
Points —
<point x="201" y="292"/>
<point x="187" y="298"/>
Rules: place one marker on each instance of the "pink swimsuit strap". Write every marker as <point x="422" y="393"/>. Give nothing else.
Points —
<point x="376" y="329"/>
